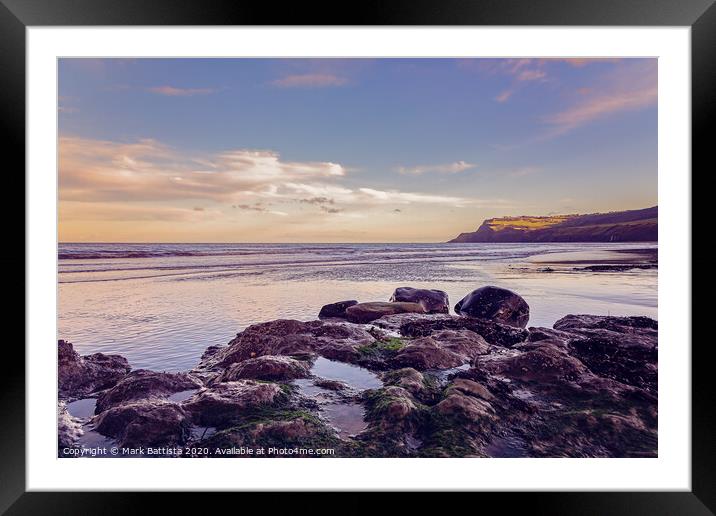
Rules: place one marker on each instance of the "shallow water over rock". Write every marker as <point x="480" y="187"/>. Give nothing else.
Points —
<point x="82" y="409"/>
<point x="346" y="418"/>
<point x="353" y="376"/>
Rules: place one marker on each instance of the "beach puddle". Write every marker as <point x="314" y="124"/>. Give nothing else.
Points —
<point x="308" y="388"/>
<point x="353" y="376"/>
<point x="200" y="432"/>
<point x="346" y="418"/>
<point x="82" y="409"/>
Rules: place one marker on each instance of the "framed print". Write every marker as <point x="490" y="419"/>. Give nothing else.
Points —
<point x="435" y="247"/>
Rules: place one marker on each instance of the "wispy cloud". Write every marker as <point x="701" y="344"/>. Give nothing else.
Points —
<point x="172" y="91"/>
<point x="364" y="197"/>
<point x="525" y="71"/>
<point x="310" y="80"/>
<point x="448" y="168"/>
<point x="629" y="88"/>
<point x="504" y="96"/>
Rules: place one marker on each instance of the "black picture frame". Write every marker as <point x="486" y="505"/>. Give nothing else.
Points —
<point x="17" y="15"/>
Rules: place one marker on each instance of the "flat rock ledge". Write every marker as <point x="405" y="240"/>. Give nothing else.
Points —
<point x="449" y="386"/>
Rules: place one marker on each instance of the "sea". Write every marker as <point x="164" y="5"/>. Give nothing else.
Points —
<point x="162" y="305"/>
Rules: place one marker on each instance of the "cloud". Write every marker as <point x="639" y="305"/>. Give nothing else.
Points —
<point x="504" y="96"/>
<point x="310" y="80"/>
<point x="449" y="168"/>
<point x="395" y="197"/>
<point x="112" y="212"/>
<point x="531" y="75"/>
<point x="629" y="88"/>
<point x="171" y="91"/>
<point x="259" y="208"/>
<point x="147" y="180"/>
<point x="364" y="197"/>
<point x="525" y="71"/>
<point x="98" y="170"/>
<point x="317" y="200"/>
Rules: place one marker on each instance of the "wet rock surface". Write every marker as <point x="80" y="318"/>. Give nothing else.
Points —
<point x="367" y="312"/>
<point x="433" y="301"/>
<point x="145" y="423"/>
<point x="267" y="367"/>
<point x="404" y="385"/>
<point x="143" y="384"/>
<point x="80" y="375"/>
<point x="225" y="402"/>
<point x="337" y="310"/>
<point x="495" y="304"/>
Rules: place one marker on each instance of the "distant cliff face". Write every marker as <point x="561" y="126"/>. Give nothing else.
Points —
<point x="618" y="226"/>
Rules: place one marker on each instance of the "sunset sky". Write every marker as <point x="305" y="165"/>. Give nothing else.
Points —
<point x="346" y="150"/>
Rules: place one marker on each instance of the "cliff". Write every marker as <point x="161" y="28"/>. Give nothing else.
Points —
<point x="619" y="226"/>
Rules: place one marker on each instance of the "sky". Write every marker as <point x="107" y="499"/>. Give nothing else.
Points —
<point x="346" y="150"/>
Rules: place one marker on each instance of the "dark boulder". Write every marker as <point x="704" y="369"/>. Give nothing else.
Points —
<point x="433" y="301"/>
<point x="81" y="375"/>
<point x="336" y="309"/>
<point x="366" y="312"/>
<point x="142" y="384"/>
<point x="495" y="304"/>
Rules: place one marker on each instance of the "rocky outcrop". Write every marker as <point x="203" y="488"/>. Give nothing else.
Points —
<point x="366" y="312"/>
<point x="288" y="337"/>
<point x="492" y="332"/>
<point x="82" y="375"/>
<point x="426" y="353"/>
<point x="495" y="304"/>
<point x="144" y="384"/>
<point x="151" y="422"/>
<point x="336" y="310"/>
<point x="437" y="385"/>
<point x="444" y="349"/>
<point x="622" y="348"/>
<point x="228" y="402"/>
<point x="279" y="430"/>
<point x="433" y="301"/>
<point x="266" y="367"/>
<point x="69" y="429"/>
<point x="543" y="364"/>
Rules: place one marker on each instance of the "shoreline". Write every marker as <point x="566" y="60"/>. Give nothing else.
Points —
<point x="383" y="379"/>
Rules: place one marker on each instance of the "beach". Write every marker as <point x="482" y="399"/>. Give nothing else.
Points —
<point x="162" y="305"/>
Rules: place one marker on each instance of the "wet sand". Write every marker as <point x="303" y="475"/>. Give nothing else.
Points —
<point x="618" y="258"/>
